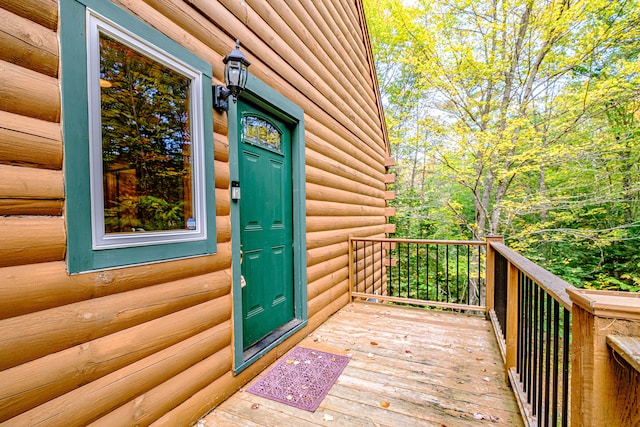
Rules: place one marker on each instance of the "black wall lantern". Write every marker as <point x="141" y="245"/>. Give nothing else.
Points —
<point x="235" y="76"/>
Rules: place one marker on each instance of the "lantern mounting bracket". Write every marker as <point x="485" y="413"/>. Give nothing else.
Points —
<point x="221" y="98"/>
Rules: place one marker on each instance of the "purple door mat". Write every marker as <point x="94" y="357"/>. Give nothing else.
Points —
<point x="301" y="379"/>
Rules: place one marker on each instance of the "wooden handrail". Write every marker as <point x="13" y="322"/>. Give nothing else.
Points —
<point x="552" y="284"/>
<point x="430" y="242"/>
<point x="627" y="347"/>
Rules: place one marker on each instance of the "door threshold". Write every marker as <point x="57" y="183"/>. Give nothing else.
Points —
<point x="271" y="340"/>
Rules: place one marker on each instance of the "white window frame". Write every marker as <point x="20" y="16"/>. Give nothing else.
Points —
<point x="97" y="24"/>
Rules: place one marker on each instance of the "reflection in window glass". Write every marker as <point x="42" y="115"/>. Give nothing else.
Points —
<point x="260" y="132"/>
<point x="146" y="142"/>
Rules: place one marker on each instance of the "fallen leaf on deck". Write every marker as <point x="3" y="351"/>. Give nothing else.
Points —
<point x="479" y="416"/>
<point x="487" y="379"/>
<point x="374" y="343"/>
<point x="479" y="358"/>
<point x="255" y="406"/>
<point x="384" y="404"/>
<point x="327" y="417"/>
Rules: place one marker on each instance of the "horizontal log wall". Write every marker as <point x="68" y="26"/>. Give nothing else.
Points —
<point x="152" y="344"/>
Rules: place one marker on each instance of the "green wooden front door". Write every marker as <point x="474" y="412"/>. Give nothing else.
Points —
<point x="266" y="236"/>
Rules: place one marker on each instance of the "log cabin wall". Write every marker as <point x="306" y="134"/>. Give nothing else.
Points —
<point x="153" y="343"/>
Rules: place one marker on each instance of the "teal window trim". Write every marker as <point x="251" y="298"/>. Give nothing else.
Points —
<point x="75" y="124"/>
<point x="267" y="98"/>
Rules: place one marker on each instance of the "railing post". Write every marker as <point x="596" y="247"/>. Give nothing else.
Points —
<point x="491" y="272"/>
<point x="511" y="333"/>
<point x="602" y="390"/>
<point x="351" y="268"/>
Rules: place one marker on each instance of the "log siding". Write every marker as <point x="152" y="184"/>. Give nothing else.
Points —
<point x="153" y="343"/>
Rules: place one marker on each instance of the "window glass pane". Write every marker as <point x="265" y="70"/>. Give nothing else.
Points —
<point x="260" y="132"/>
<point x="146" y="142"/>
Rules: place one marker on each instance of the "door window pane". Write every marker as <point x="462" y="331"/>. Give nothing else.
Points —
<point x="258" y="131"/>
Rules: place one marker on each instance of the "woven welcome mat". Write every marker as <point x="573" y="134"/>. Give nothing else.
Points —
<point x="301" y="379"/>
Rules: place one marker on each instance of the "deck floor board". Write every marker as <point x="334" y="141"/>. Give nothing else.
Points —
<point x="432" y="368"/>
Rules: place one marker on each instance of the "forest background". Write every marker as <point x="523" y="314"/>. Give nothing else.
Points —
<point x="518" y="118"/>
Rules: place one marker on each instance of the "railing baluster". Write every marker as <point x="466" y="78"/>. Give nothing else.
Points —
<point x="417" y="271"/>
<point x="446" y="273"/>
<point x="533" y="340"/>
<point x="565" y="368"/>
<point x="366" y="263"/>
<point x="408" y="267"/>
<point x="556" y="359"/>
<point x="469" y="274"/>
<point x="355" y="264"/>
<point x="427" y="274"/>
<point x="457" y="273"/>
<point x="479" y="276"/>
<point x="382" y="268"/>
<point x="399" y="272"/>
<point x="390" y="269"/>
<point x="547" y="365"/>
<point x="529" y="338"/>
<point x="540" y="356"/>
<point x="373" y="267"/>
<point x="437" y="297"/>
<point x="520" y="325"/>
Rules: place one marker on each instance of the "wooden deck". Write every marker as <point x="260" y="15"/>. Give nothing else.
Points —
<point x="409" y="367"/>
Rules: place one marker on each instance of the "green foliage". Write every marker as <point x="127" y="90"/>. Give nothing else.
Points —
<point x="146" y="213"/>
<point x="518" y="118"/>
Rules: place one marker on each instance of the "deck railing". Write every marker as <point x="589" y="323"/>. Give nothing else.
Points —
<point x="545" y="327"/>
<point x="443" y="274"/>
<point x="531" y="313"/>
